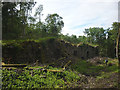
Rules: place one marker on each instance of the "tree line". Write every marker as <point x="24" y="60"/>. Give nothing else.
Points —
<point x="106" y="39"/>
<point x="18" y="23"/>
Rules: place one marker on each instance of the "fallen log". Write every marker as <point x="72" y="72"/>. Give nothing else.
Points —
<point x="42" y="69"/>
<point x="14" y="65"/>
<point x="54" y="70"/>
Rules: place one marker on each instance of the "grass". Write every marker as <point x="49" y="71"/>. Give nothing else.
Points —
<point x="87" y="68"/>
<point x="103" y="76"/>
<point x="17" y="42"/>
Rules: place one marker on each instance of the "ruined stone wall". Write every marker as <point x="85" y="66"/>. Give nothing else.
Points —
<point x="83" y="51"/>
<point x="50" y="51"/>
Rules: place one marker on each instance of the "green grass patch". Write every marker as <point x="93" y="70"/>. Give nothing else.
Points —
<point x="103" y="75"/>
<point x="113" y="68"/>
<point x="17" y="42"/>
<point x="84" y="67"/>
<point x="87" y="68"/>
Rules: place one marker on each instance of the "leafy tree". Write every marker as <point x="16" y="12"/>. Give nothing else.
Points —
<point x="82" y="39"/>
<point x="11" y="23"/>
<point x="41" y="28"/>
<point x="106" y="39"/>
<point x="38" y="11"/>
<point x="54" y="24"/>
<point x="95" y="35"/>
<point x="98" y="36"/>
<point x="65" y="37"/>
<point x="24" y="13"/>
<point x="116" y="27"/>
<point x="14" y="19"/>
<point x="32" y="20"/>
<point x="113" y="35"/>
<point x="74" y="39"/>
<point x="36" y="29"/>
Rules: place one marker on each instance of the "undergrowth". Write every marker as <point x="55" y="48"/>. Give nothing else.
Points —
<point x="37" y="79"/>
<point x="82" y="74"/>
<point x="99" y="76"/>
<point x="87" y="68"/>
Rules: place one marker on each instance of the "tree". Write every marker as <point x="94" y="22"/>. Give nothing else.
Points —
<point x="82" y="39"/>
<point x="118" y="45"/>
<point x="32" y="20"/>
<point x="24" y="13"/>
<point x="54" y="24"/>
<point x="14" y="18"/>
<point x="112" y="39"/>
<point x="74" y="39"/>
<point x="95" y="35"/>
<point x="65" y="37"/>
<point x="38" y="12"/>
<point x="115" y="36"/>
<point x="11" y="23"/>
<point x="41" y="29"/>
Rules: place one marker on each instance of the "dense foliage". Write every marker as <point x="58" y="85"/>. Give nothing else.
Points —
<point x="14" y="19"/>
<point x="106" y="39"/>
<point x="92" y="73"/>
<point x="19" y="24"/>
<point x="23" y="78"/>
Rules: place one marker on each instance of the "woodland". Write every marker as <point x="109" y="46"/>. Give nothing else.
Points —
<point x="35" y="54"/>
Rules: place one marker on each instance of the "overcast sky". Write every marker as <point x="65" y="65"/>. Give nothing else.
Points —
<point x="80" y="14"/>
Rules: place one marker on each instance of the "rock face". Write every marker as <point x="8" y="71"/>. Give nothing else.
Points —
<point x="49" y="51"/>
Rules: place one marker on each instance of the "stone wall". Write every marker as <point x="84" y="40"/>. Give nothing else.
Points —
<point x="49" y="51"/>
<point x="83" y="51"/>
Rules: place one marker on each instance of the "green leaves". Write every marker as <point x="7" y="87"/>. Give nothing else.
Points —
<point x="54" y="24"/>
<point x="95" y="35"/>
<point x="14" y="19"/>
<point x="39" y="79"/>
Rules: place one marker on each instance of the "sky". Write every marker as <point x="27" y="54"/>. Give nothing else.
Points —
<point x="79" y="15"/>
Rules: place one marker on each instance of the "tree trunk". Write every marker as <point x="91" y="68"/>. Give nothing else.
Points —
<point x="118" y="46"/>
